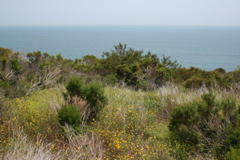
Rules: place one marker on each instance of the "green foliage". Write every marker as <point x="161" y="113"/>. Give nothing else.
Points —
<point x="89" y="64"/>
<point x="233" y="154"/>
<point x="123" y="55"/>
<point x="36" y="114"/>
<point x="209" y="98"/>
<point x="121" y="65"/>
<point x="183" y="120"/>
<point x="92" y="93"/>
<point x="75" y="87"/>
<point x="166" y="62"/>
<point x="4" y="64"/>
<point x="15" y="65"/>
<point x="194" y="82"/>
<point x="134" y="123"/>
<point x="110" y="79"/>
<point x="127" y="73"/>
<point x="151" y="101"/>
<point x="35" y="57"/>
<point x="196" y="78"/>
<point x="233" y="139"/>
<point x="153" y="57"/>
<point x="4" y="52"/>
<point x="69" y="115"/>
<point x="136" y="70"/>
<point x="220" y="70"/>
<point x="206" y="122"/>
<point x="236" y="75"/>
<point x="119" y="56"/>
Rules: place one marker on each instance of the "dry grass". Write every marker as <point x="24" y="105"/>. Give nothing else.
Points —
<point x="23" y="148"/>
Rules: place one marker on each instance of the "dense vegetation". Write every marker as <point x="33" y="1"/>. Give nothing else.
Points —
<point x="125" y="105"/>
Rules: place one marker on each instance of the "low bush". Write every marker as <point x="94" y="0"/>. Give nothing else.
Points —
<point x="69" y="115"/>
<point x="95" y="98"/>
<point x="92" y="93"/>
<point x="233" y="154"/>
<point x="206" y="125"/>
<point x="75" y="87"/>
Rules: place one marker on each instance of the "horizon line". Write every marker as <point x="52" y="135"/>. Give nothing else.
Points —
<point x="54" y="25"/>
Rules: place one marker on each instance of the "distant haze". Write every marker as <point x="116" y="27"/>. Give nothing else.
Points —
<point x="121" y="12"/>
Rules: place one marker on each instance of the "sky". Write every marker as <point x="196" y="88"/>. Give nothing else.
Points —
<point x="120" y="12"/>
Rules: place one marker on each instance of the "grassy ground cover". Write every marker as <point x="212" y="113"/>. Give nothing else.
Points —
<point x="133" y="125"/>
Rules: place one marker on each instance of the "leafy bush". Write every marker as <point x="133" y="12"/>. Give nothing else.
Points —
<point x="194" y="82"/>
<point x="233" y="139"/>
<point x="75" y="87"/>
<point x="195" y="78"/>
<point x="110" y="79"/>
<point x="69" y="115"/>
<point x="233" y="154"/>
<point x="206" y="122"/>
<point x="96" y="98"/>
<point x="183" y="120"/>
<point x="92" y="93"/>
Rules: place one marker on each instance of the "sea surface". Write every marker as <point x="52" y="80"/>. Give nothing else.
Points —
<point x="205" y="47"/>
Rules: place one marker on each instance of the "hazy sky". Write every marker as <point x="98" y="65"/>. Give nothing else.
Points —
<point x="120" y="12"/>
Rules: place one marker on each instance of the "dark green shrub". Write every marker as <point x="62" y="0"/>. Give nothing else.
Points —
<point x="209" y="98"/>
<point x="127" y="74"/>
<point x="96" y="99"/>
<point x="15" y="65"/>
<point x="233" y="139"/>
<point x="110" y="79"/>
<point x="92" y="93"/>
<point x="4" y="64"/>
<point x="184" y="74"/>
<point x="182" y="122"/>
<point x="69" y="115"/>
<point x="233" y="154"/>
<point x="195" y="78"/>
<point x="195" y="82"/>
<point x="166" y="62"/>
<point x="75" y="87"/>
<point x="213" y="124"/>
<point x="220" y="70"/>
<point x="236" y="75"/>
<point x="230" y="112"/>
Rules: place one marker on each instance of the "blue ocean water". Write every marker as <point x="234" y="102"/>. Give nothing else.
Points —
<point x="205" y="47"/>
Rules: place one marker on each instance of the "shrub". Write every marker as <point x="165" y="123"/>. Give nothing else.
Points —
<point x="233" y="139"/>
<point x="69" y="115"/>
<point x="95" y="97"/>
<point x="182" y="121"/>
<point x="110" y="79"/>
<point x="220" y="70"/>
<point x="75" y="87"/>
<point x="233" y="154"/>
<point x="196" y="82"/>
<point x="92" y="93"/>
<point x="206" y="123"/>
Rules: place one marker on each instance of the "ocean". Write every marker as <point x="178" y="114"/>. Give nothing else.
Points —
<point x="205" y="47"/>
